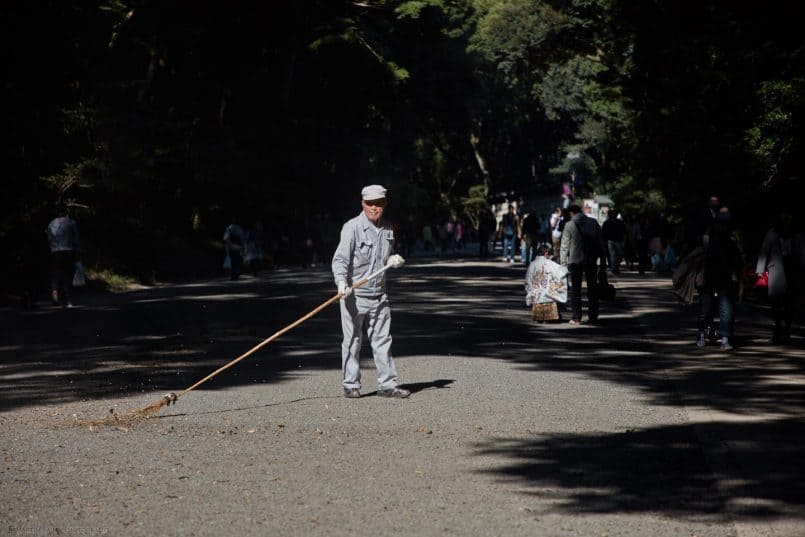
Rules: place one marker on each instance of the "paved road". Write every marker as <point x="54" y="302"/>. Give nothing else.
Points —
<point x="513" y="428"/>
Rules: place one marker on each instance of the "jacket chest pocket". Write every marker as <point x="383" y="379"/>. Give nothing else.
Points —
<point x="363" y="254"/>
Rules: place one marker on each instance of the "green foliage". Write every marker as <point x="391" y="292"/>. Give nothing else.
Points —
<point x="413" y="8"/>
<point x="638" y="196"/>
<point x="570" y="88"/>
<point x="778" y="126"/>
<point x="115" y="6"/>
<point x="161" y="122"/>
<point x="516" y="35"/>
<point x="475" y="203"/>
<point x="110" y="280"/>
<point x="563" y="59"/>
<point x="66" y="184"/>
<point x="583" y="166"/>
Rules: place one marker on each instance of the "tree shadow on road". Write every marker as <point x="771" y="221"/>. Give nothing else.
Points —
<point x="166" y="339"/>
<point x="661" y="469"/>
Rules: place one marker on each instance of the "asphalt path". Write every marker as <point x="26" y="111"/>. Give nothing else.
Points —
<point x="513" y="427"/>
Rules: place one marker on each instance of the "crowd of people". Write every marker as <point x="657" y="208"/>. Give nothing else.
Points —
<point x="517" y="234"/>
<point x="716" y="271"/>
<point x="642" y="242"/>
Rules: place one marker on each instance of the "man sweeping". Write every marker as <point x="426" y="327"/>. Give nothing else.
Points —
<point x="366" y="245"/>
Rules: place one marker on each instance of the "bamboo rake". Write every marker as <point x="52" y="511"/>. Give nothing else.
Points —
<point x="136" y="415"/>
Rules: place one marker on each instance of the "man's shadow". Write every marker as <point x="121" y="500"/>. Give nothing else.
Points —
<point x="421" y="386"/>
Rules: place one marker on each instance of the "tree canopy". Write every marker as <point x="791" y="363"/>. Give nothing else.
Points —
<point x="158" y="121"/>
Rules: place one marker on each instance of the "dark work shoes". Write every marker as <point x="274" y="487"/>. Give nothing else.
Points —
<point x="399" y="393"/>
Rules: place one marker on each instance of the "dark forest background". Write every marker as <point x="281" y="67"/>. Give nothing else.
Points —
<point x="157" y="121"/>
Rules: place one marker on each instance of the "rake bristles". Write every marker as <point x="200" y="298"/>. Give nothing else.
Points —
<point x="132" y="417"/>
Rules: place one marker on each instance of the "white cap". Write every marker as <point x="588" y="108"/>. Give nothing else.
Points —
<point x="373" y="192"/>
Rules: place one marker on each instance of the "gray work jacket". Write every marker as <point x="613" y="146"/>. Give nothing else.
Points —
<point x="363" y="249"/>
<point x="571" y="251"/>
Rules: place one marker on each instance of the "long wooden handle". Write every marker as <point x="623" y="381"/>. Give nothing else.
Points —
<point x="277" y="334"/>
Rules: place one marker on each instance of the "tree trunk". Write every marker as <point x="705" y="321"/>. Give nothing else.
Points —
<point x="479" y="158"/>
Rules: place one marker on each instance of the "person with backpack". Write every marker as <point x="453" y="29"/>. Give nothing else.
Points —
<point x="581" y="251"/>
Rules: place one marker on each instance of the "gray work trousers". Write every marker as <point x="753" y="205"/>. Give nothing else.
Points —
<point x="374" y="312"/>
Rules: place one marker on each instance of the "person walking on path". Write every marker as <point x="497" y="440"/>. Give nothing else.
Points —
<point x="614" y="231"/>
<point x="235" y="244"/>
<point x="365" y="246"/>
<point x="486" y="224"/>
<point x="581" y="251"/>
<point x="640" y="234"/>
<point x="529" y="237"/>
<point x="63" y="238"/>
<point x="723" y="269"/>
<point x="427" y="238"/>
<point x="459" y="235"/>
<point x="707" y="216"/>
<point x="782" y="258"/>
<point x="544" y="229"/>
<point x="254" y="247"/>
<point x="509" y="230"/>
<point x="555" y="228"/>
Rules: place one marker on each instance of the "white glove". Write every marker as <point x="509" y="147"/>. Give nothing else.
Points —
<point x="344" y="290"/>
<point x="396" y="261"/>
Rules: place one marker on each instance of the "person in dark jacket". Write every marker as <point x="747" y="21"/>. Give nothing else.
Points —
<point x="614" y="231"/>
<point x="581" y="250"/>
<point x="509" y="231"/>
<point x="529" y="239"/>
<point x="486" y="224"/>
<point x="235" y="246"/>
<point x="723" y="266"/>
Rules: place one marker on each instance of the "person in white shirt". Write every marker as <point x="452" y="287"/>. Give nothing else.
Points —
<point x="63" y="239"/>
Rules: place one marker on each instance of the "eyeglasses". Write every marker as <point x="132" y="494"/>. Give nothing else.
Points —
<point x="376" y="203"/>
